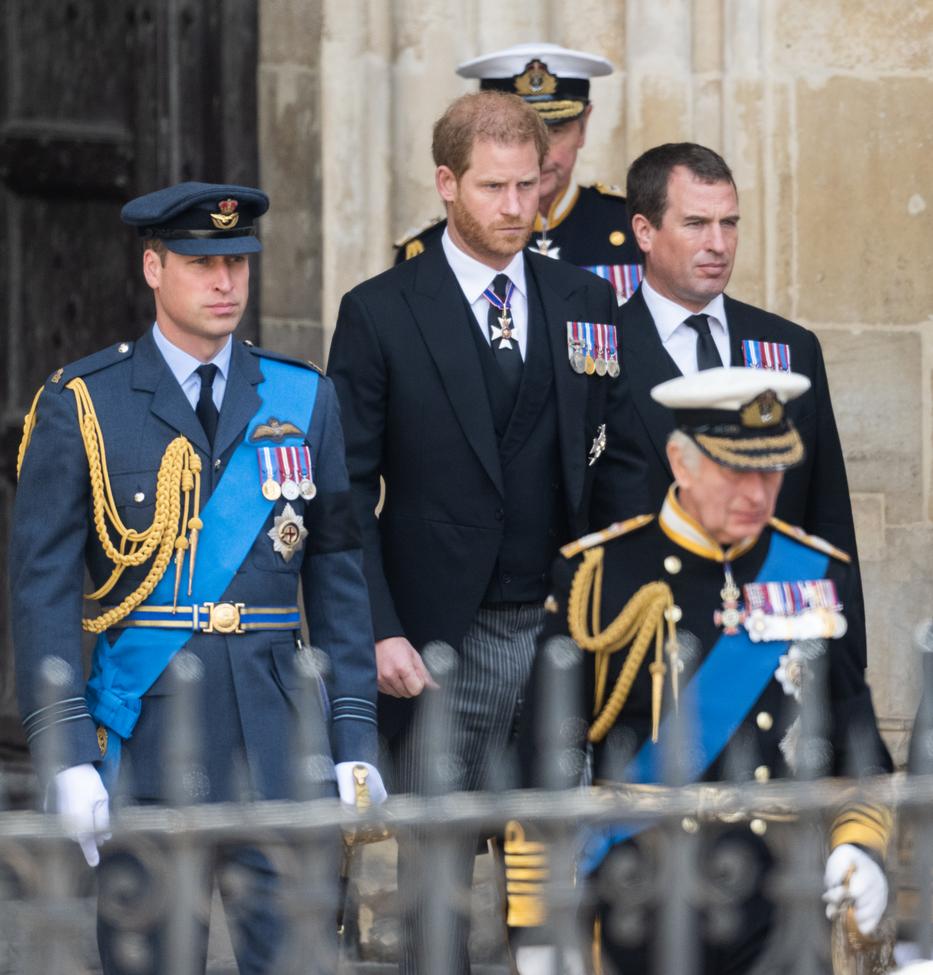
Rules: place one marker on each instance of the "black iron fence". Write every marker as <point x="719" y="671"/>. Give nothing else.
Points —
<point x="675" y="885"/>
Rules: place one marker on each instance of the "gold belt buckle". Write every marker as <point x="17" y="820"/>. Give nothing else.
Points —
<point x="224" y="618"/>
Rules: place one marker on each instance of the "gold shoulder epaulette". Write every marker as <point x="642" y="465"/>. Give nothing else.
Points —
<point x="607" y="189"/>
<point x="409" y="236"/>
<point x="615" y="530"/>
<point x="813" y="541"/>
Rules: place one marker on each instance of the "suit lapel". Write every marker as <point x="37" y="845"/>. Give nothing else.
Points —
<point x="536" y="377"/>
<point x="647" y="363"/>
<point x="557" y="309"/>
<point x="240" y="399"/>
<point x="736" y="325"/>
<point x="440" y="312"/>
<point x="169" y="403"/>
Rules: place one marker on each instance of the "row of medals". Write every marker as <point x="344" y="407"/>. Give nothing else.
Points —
<point x="583" y="362"/>
<point x="289" y="489"/>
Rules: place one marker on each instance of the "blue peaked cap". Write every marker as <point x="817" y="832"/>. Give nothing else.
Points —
<point x="200" y="218"/>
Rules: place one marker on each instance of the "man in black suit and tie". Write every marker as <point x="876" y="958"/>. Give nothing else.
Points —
<point x="685" y="217"/>
<point x="457" y="389"/>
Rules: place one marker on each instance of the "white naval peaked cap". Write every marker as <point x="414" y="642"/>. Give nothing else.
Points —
<point x="560" y="61"/>
<point x="728" y="388"/>
<point x="736" y="416"/>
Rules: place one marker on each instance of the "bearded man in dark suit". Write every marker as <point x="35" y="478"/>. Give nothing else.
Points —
<point x="685" y="215"/>
<point x="462" y="388"/>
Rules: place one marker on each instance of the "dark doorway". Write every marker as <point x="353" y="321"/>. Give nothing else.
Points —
<point x="100" y="101"/>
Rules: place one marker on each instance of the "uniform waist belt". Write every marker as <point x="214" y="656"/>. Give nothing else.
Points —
<point x="214" y="618"/>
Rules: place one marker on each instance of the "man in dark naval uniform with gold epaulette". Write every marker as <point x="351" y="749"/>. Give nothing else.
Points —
<point x="715" y="611"/>
<point x="585" y="225"/>
<point x="201" y="481"/>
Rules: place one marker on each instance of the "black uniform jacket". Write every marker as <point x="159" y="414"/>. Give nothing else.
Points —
<point x="646" y="554"/>
<point x="416" y="414"/>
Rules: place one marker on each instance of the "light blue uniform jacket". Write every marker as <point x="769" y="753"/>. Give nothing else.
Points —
<point x="251" y="687"/>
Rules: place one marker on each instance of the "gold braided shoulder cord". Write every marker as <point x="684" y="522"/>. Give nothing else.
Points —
<point x="29" y="424"/>
<point x="178" y="478"/>
<point x="642" y="618"/>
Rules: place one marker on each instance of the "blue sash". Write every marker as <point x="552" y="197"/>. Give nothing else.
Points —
<point x="737" y="665"/>
<point x="123" y="671"/>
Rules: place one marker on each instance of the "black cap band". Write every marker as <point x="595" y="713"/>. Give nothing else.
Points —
<point x="175" y="233"/>
<point x="576" y="88"/>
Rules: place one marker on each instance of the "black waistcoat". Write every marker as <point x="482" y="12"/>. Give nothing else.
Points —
<point x="534" y="509"/>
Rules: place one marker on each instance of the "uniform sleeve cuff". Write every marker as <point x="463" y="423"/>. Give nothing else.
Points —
<point x="864" y="825"/>
<point x="527" y="871"/>
<point x="354" y="732"/>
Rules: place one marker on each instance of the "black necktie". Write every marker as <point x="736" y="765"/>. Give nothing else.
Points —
<point x="206" y="410"/>
<point x="707" y="354"/>
<point x="509" y="359"/>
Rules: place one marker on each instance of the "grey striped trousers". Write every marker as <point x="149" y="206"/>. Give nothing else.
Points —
<point x="481" y="701"/>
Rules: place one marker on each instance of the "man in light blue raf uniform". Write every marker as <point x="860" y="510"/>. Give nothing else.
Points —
<point x="199" y="480"/>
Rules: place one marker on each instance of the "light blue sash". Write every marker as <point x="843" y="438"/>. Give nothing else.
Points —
<point x="718" y="698"/>
<point x="123" y="671"/>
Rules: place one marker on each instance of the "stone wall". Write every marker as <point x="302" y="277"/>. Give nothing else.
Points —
<point x="825" y="112"/>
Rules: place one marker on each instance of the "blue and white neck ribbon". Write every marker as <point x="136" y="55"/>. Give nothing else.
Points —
<point x="506" y="331"/>
<point x="504" y="306"/>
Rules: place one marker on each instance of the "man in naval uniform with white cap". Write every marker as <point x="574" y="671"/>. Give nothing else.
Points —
<point x="716" y="611"/>
<point x="586" y="225"/>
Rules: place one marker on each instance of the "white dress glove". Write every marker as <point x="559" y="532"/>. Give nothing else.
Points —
<point x="545" y="960"/>
<point x="84" y="807"/>
<point x="867" y="887"/>
<point x="346" y="784"/>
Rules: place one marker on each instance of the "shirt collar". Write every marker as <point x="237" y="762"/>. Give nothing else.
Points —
<point x="688" y="533"/>
<point x="668" y="315"/>
<point x="182" y="364"/>
<point x="474" y="277"/>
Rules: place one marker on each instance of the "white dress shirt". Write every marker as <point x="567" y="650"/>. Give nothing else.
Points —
<point x="474" y="278"/>
<point x="680" y="340"/>
<point x="184" y="368"/>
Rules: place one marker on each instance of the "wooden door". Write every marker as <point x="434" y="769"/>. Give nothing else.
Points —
<point x="100" y="101"/>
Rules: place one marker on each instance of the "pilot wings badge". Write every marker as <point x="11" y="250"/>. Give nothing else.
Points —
<point x="273" y="429"/>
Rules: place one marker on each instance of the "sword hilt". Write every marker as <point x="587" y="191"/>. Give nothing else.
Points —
<point x="361" y="797"/>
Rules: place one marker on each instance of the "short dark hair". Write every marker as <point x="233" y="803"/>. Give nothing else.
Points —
<point x="491" y="115"/>
<point x="158" y="245"/>
<point x="648" y="176"/>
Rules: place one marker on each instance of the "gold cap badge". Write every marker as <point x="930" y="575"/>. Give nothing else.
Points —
<point x="536" y="80"/>
<point x="765" y="410"/>
<point x="228" y="217"/>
